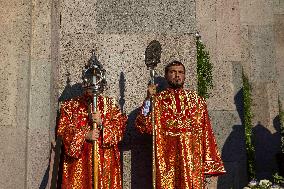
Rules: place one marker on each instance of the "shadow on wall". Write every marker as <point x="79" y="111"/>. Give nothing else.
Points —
<point x="267" y="145"/>
<point x="70" y="91"/>
<point x="280" y="155"/>
<point x="140" y="145"/>
<point x="234" y="152"/>
<point x="44" y="181"/>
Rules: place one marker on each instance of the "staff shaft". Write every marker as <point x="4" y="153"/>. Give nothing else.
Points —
<point x="95" y="151"/>
<point x="152" y="74"/>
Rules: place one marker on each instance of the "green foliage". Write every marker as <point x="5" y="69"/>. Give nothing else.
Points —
<point x="204" y="70"/>
<point x="248" y="127"/>
<point x="281" y="118"/>
<point x="278" y="179"/>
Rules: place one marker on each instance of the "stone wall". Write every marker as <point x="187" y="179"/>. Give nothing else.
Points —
<point x="45" y="44"/>
<point x="25" y="100"/>
<point x="14" y="52"/>
<point x="249" y="35"/>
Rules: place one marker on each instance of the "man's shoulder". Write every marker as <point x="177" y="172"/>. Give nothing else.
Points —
<point x="187" y="92"/>
<point x="72" y="103"/>
<point x="162" y="95"/>
<point x="192" y="94"/>
<point x="108" y="100"/>
<point x="105" y="97"/>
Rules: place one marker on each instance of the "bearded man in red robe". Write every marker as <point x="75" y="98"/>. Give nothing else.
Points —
<point x="186" y="150"/>
<point x="77" y="128"/>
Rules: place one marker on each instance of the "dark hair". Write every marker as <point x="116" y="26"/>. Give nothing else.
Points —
<point x="173" y="63"/>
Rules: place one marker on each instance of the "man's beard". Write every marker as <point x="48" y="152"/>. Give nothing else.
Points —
<point x="176" y="85"/>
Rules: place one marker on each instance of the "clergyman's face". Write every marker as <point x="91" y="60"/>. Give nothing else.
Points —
<point x="175" y="76"/>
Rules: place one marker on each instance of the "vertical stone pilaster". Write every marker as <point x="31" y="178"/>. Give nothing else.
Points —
<point x="39" y="108"/>
<point x="15" y="23"/>
<point x="279" y="49"/>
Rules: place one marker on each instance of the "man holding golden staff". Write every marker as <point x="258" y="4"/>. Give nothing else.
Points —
<point x="81" y="128"/>
<point x="186" y="150"/>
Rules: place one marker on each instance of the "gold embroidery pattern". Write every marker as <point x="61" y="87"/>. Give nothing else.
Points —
<point x="184" y="140"/>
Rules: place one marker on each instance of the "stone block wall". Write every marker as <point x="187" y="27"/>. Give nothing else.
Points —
<point x="244" y="34"/>
<point x="45" y="44"/>
<point x="14" y="60"/>
<point x="25" y="100"/>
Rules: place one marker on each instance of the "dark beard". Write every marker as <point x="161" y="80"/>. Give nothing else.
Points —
<point x="175" y="85"/>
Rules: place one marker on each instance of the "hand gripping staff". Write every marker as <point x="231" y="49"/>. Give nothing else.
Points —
<point x="94" y="80"/>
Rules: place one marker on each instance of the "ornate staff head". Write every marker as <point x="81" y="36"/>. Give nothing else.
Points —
<point x="153" y="54"/>
<point x="94" y="76"/>
<point x="152" y="57"/>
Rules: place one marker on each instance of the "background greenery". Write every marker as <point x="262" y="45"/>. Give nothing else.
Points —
<point x="204" y="70"/>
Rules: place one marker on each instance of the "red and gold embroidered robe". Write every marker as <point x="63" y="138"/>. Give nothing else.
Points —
<point x="186" y="149"/>
<point x="73" y="126"/>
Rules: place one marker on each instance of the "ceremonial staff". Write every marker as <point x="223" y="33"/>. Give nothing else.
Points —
<point x="152" y="58"/>
<point x="94" y="79"/>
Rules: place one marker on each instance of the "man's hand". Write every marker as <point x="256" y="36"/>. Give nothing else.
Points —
<point x="152" y="89"/>
<point x="93" y="135"/>
<point x="96" y="116"/>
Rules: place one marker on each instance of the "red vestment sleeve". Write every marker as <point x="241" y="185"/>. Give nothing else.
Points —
<point x="113" y="127"/>
<point x="113" y="123"/>
<point x="72" y="129"/>
<point x="213" y="164"/>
